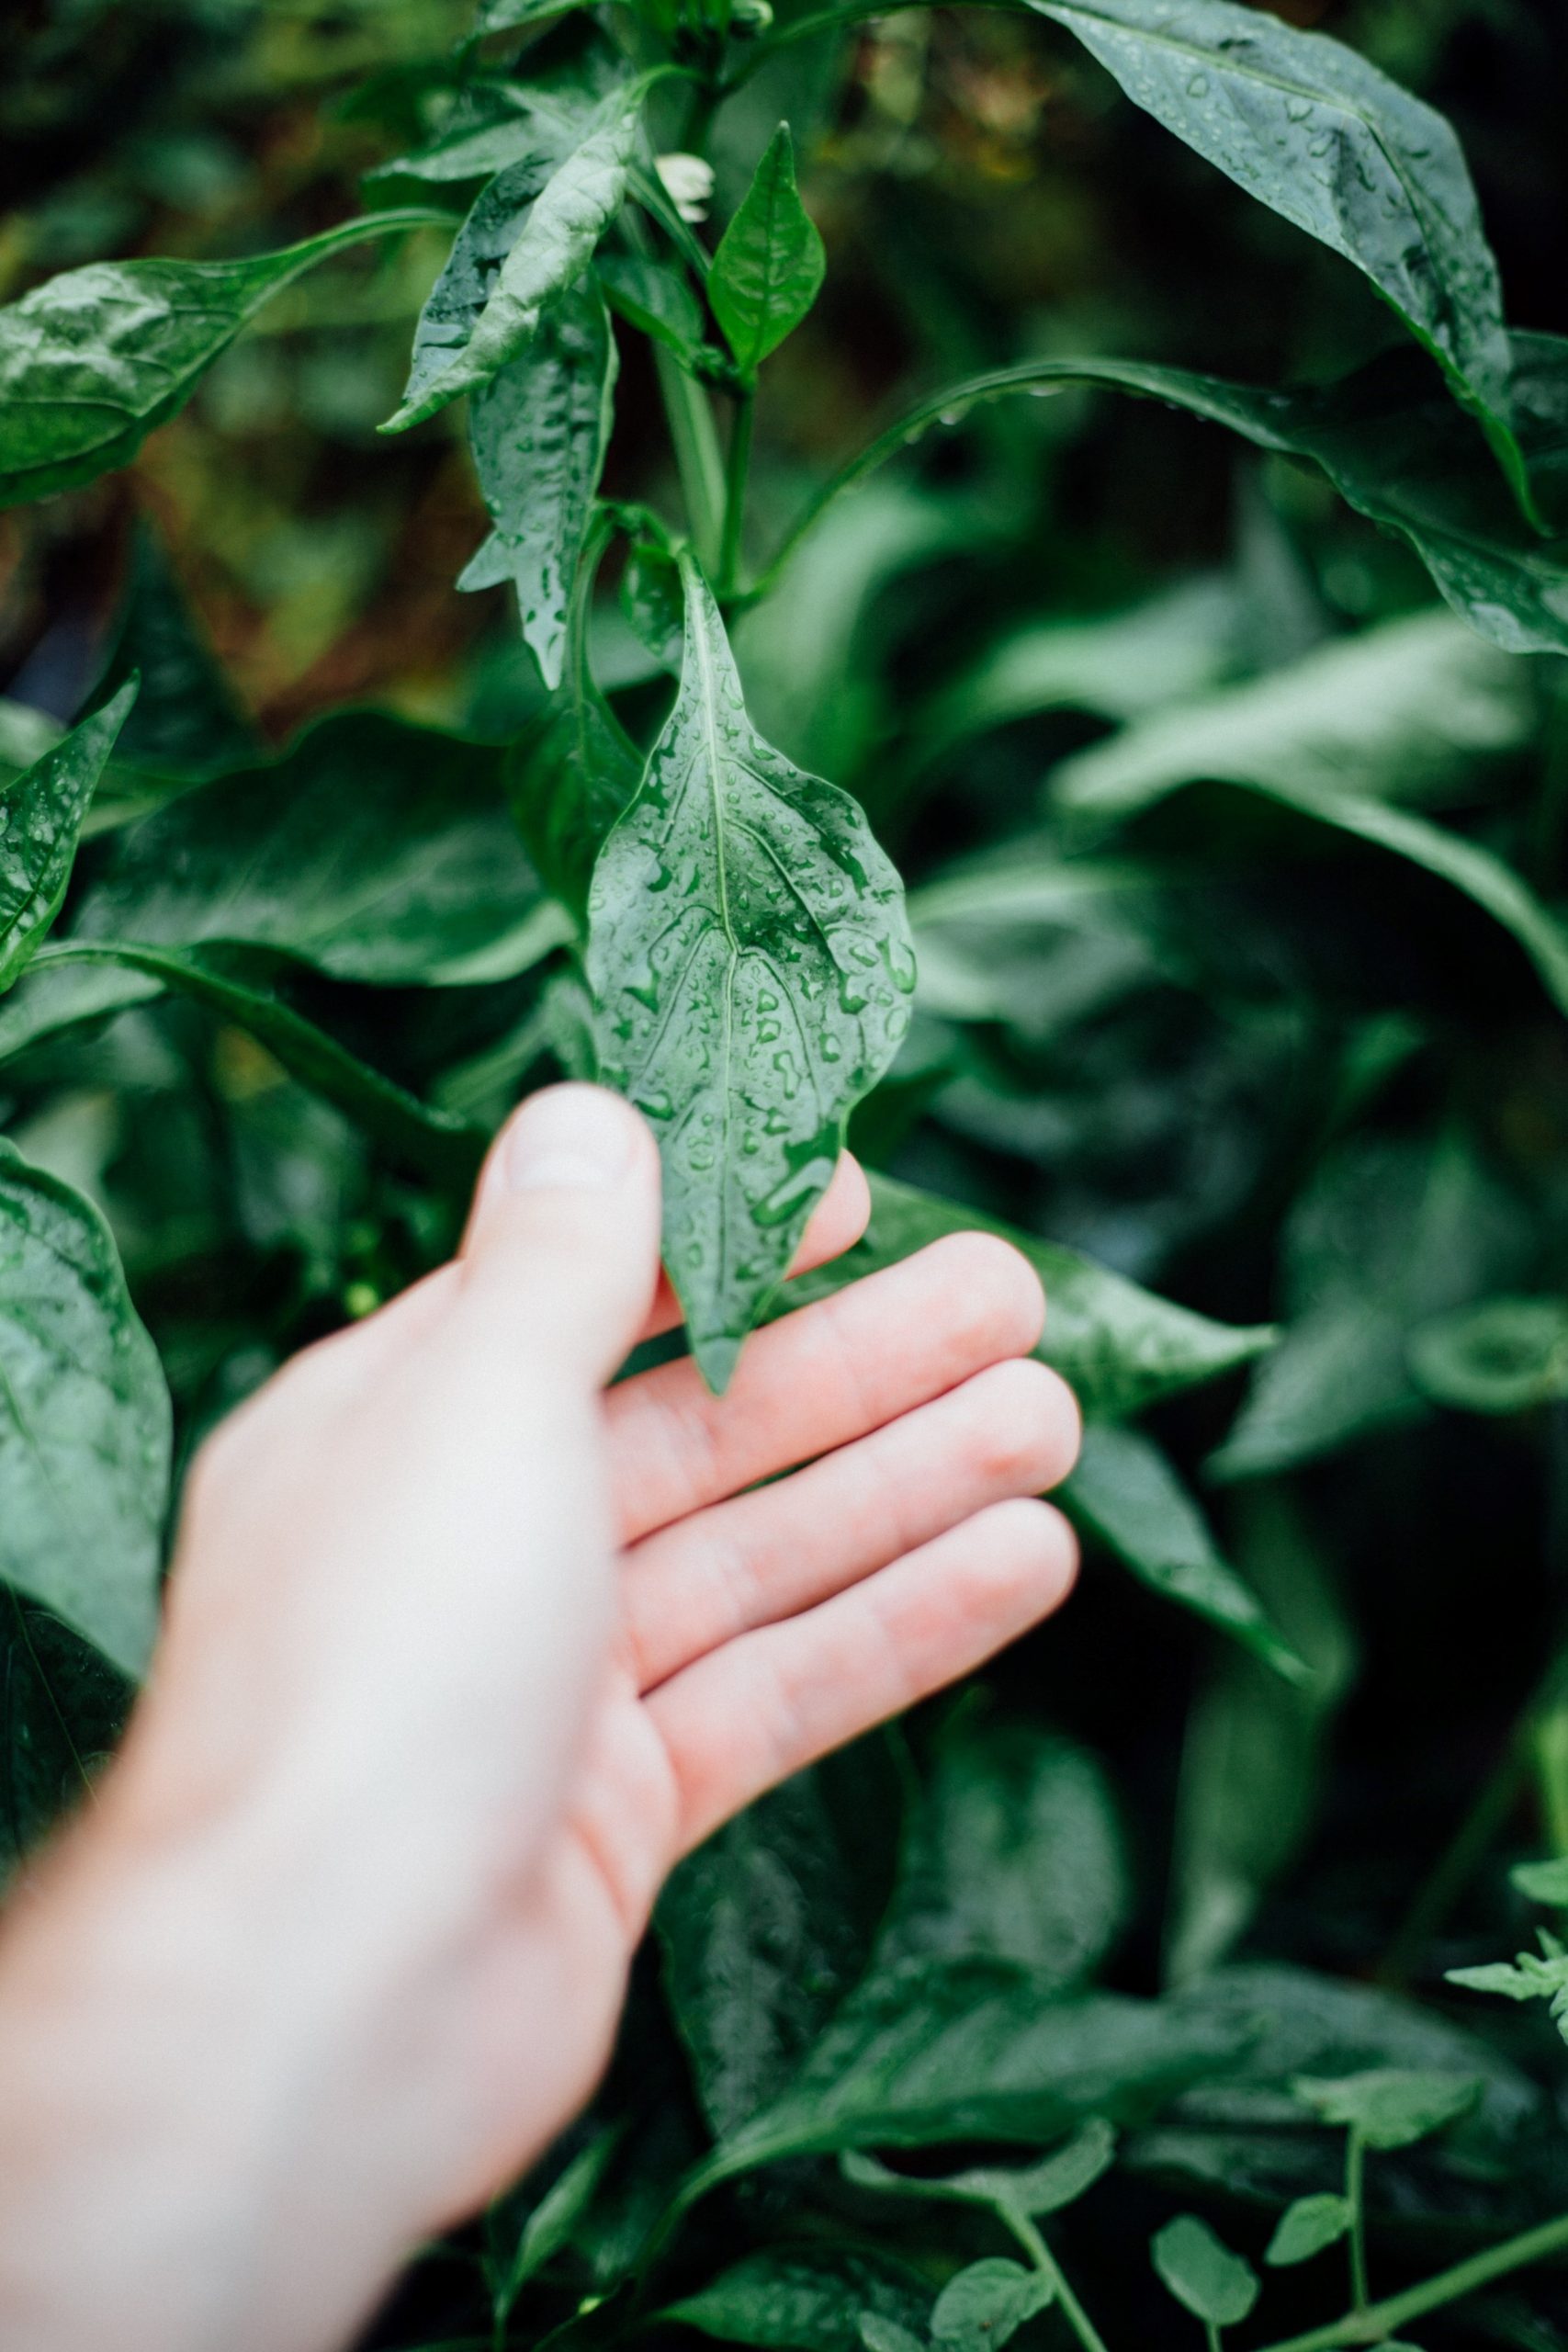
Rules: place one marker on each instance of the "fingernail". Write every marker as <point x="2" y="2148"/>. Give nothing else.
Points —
<point x="569" y="1136"/>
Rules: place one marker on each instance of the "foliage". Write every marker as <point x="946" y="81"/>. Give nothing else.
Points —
<point x="751" y="373"/>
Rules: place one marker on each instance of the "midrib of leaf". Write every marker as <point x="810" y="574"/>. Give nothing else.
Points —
<point x="708" y="699"/>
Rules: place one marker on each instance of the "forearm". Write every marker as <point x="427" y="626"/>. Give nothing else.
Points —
<point x="176" y="2017"/>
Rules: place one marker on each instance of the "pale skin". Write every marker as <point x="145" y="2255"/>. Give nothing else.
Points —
<point x="463" y="1650"/>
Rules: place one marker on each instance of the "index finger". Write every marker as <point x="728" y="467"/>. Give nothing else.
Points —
<point x="836" y="1224"/>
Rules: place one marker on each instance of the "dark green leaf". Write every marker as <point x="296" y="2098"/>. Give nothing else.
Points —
<point x="769" y="266"/>
<point x="1014" y="1852"/>
<point x="652" y="601"/>
<point x="971" y="2050"/>
<point x="1388" y="439"/>
<point x="1308" y="2226"/>
<point x="91" y="361"/>
<point x="1127" y="1492"/>
<point x="497" y="125"/>
<point x="809" y="2298"/>
<point x="1119" y="1347"/>
<point x="502" y="16"/>
<point x="1500" y="1357"/>
<point x="539" y="429"/>
<point x="40" y="815"/>
<point x="767" y="1927"/>
<point x="751" y="970"/>
<point x="84" y="1420"/>
<point x="62" y="1709"/>
<point x="1251" y="1761"/>
<point x="1321" y="136"/>
<point x="516" y="2249"/>
<point x="568" y="778"/>
<point x="1390" y="2107"/>
<point x="654" y="296"/>
<point x="1202" y="2273"/>
<point x="1056" y="2181"/>
<point x="71" y="984"/>
<point x="988" y="2304"/>
<point x="186" y="722"/>
<point x="487" y="316"/>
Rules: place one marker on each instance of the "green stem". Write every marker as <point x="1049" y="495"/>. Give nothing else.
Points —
<point x="1212" y="2332"/>
<point x="1045" y="2262"/>
<point x="1395" y="2311"/>
<point x="1355" y="2197"/>
<point x="737" y="466"/>
<point x="697" y="458"/>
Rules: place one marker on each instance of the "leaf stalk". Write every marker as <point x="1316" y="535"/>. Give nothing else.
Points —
<point x="1034" y="2243"/>
<point x="1395" y="2311"/>
<point x="737" y="465"/>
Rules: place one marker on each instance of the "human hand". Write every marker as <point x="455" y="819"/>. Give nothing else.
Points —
<point x="462" y="1652"/>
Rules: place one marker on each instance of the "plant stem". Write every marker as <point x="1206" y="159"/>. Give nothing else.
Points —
<point x="1355" y="2197"/>
<point x="737" y="466"/>
<point x="697" y="458"/>
<point x="1212" y="2332"/>
<point x="1380" y="2319"/>
<point x="1045" y="2262"/>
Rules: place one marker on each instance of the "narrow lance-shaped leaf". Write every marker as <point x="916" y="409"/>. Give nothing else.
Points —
<point x="1321" y="136"/>
<point x="769" y="266"/>
<point x="554" y="244"/>
<point x="751" y="969"/>
<point x="1388" y="439"/>
<point x="84" y="1420"/>
<point x="538" y="431"/>
<point x="91" y="361"/>
<point x="40" y="818"/>
<point x="1121" y="1347"/>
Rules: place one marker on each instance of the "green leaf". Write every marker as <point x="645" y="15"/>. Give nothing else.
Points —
<point x="1404" y="711"/>
<point x="516" y="2251"/>
<point x="1319" y="135"/>
<point x="539" y="429"/>
<point x="1125" y="1491"/>
<point x="1307" y="2227"/>
<point x="652" y="601"/>
<point x="1119" y="1347"/>
<point x="1253" y="1755"/>
<point x="62" y="1707"/>
<point x="766" y="1928"/>
<point x="1388" y="439"/>
<point x="1542" y="1881"/>
<point x="71" y="984"/>
<point x="186" y="722"/>
<point x="1015" y="1852"/>
<point x="969" y="2048"/>
<point x="988" y="2304"/>
<point x="1503" y="1356"/>
<point x="769" y="267"/>
<point x="568" y="778"/>
<point x="879" y="2335"/>
<point x="1390" y="2107"/>
<point x="375" y="850"/>
<point x="812" y="2298"/>
<point x="503" y="16"/>
<point x="1056" y="2181"/>
<point x="484" y="318"/>
<point x="91" y="361"/>
<point x="1202" y="2272"/>
<point x="83" y="1421"/>
<point x="653" y="296"/>
<point x="751" y="968"/>
<point x="41" y="816"/>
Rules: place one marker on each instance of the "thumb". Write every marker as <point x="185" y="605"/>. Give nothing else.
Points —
<point x="563" y="1241"/>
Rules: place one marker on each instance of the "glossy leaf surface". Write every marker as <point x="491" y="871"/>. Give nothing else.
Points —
<point x="812" y="2298"/>
<point x="770" y="263"/>
<point x="487" y="315"/>
<point x="90" y="362"/>
<point x="41" y="816"/>
<point x="83" y="1421"/>
<point x="751" y="968"/>
<point x="1316" y="132"/>
<point x="539" y="430"/>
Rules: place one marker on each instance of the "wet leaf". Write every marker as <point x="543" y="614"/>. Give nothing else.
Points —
<point x="1316" y="132"/>
<point x="751" y="968"/>
<point x="805" y="2299"/>
<point x="539" y="429"/>
<point x="486" y="315"/>
<point x="83" y="1421"/>
<point x="770" y="263"/>
<point x="653" y="296"/>
<point x="62" y="1710"/>
<point x="40" y="818"/>
<point x="90" y="362"/>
